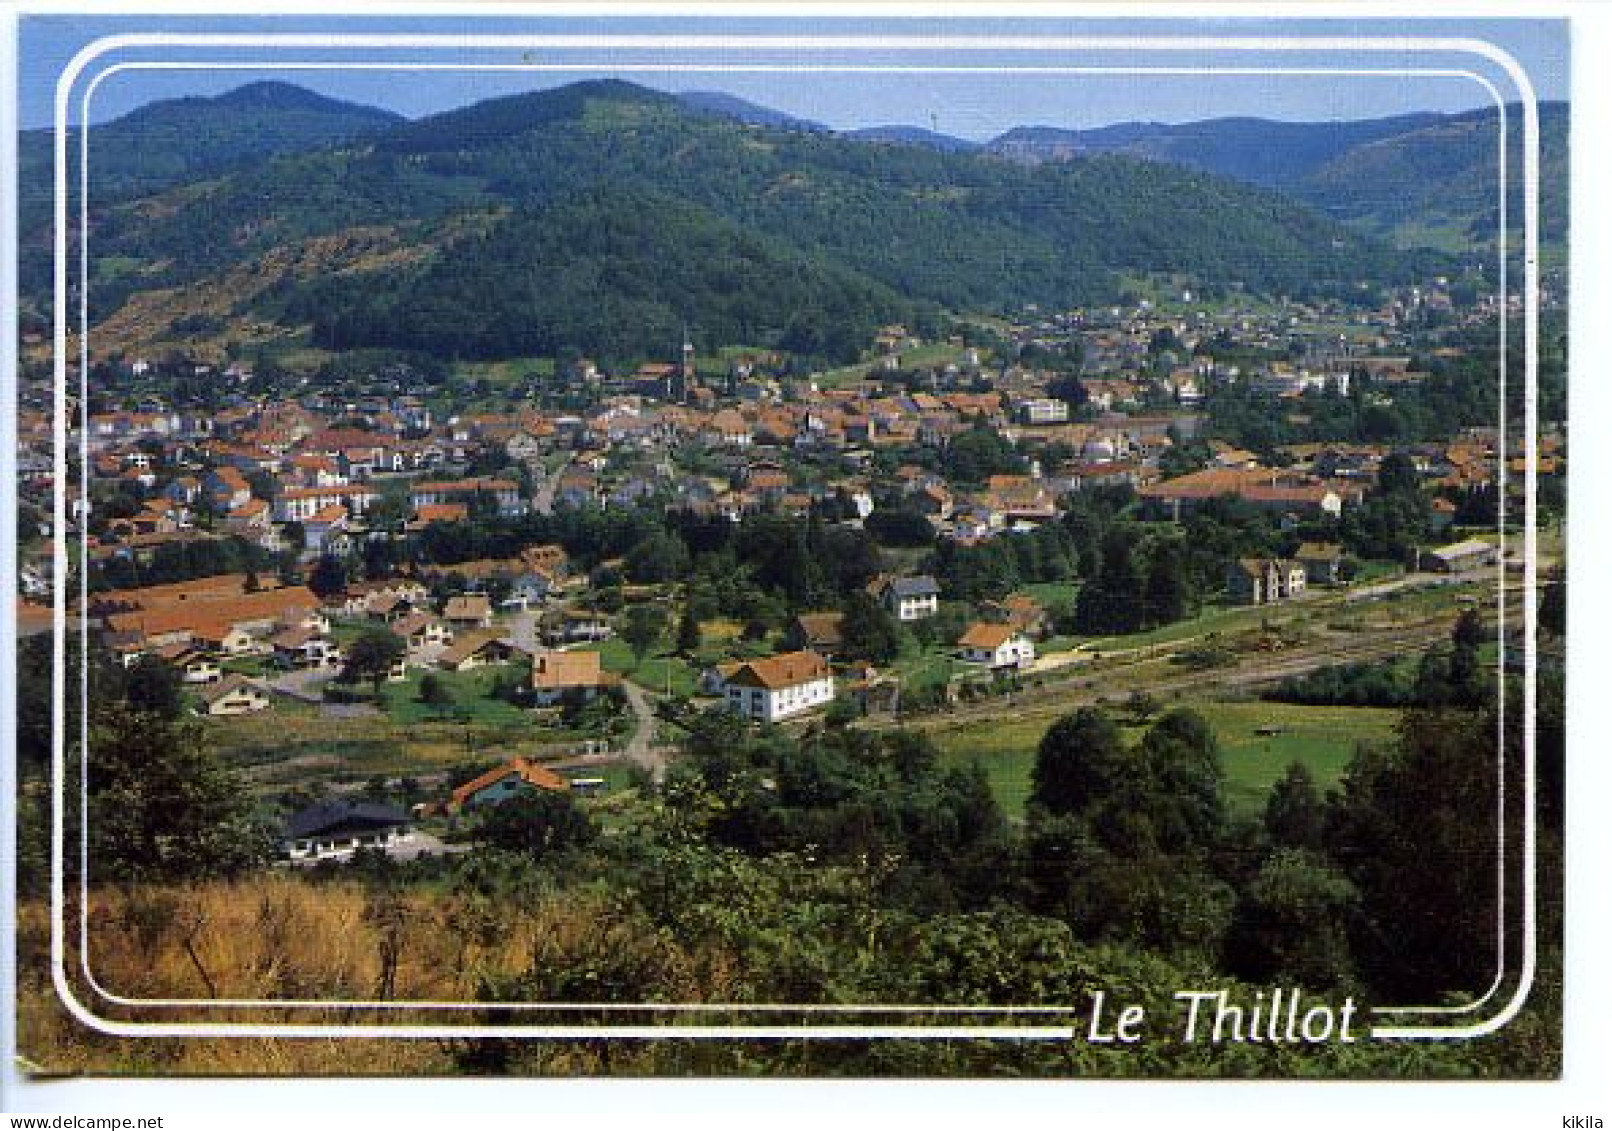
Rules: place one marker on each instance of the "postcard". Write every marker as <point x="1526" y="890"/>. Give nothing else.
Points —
<point x="748" y="545"/>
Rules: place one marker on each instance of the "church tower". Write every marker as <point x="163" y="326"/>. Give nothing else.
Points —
<point x="686" y="369"/>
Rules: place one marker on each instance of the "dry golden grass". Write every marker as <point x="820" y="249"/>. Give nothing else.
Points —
<point x="283" y="937"/>
<point x="142" y="324"/>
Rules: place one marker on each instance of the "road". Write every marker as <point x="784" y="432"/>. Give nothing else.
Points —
<point x="543" y="498"/>
<point x="641" y="749"/>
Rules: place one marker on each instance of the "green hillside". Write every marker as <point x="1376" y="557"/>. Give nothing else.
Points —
<point x="629" y="212"/>
<point x="1416" y="179"/>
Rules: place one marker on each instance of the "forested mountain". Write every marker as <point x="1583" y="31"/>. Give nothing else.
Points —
<point x="603" y="267"/>
<point x="914" y="135"/>
<point x="508" y="211"/>
<point x="1417" y="178"/>
<point x="1277" y="155"/>
<point x="167" y="143"/>
<point x="726" y="105"/>
<point x="1445" y="174"/>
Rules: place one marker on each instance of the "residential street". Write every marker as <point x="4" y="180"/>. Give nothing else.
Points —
<point x="641" y="749"/>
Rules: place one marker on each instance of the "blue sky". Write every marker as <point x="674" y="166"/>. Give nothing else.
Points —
<point x="969" y="105"/>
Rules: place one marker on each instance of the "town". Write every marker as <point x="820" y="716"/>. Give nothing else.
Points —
<point x="999" y="508"/>
<point x="609" y="554"/>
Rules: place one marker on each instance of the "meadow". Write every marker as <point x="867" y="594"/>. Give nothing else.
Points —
<point x="1258" y="741"/>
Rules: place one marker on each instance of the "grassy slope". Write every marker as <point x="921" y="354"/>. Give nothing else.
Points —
<point x="1323" y="738"/>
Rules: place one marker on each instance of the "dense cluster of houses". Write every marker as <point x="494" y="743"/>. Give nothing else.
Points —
<point x="323" y="475"/>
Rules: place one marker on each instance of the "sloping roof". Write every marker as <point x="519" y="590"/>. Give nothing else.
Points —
<point x="821" y="628"/>
<point x="1463" y="550"/>
<point x="213" y="692"/>
<point x="1318" y="551"/>
<point x="293" y="638"/>
<point x="984" y="635"/>
<point x="327" y="516"/>
<point x="214" y="615"/>
<point x="441" y="512"/>
<point x="789" y="669"/>
<point x="468" y="645"/>
<point x="334" y="814"/>
<point x="539" y="777"/>
<point x="470" y="606"/>
<point x="921" y="586"/>
<point x="414" y="622"/>
<point x="557" y="671"/>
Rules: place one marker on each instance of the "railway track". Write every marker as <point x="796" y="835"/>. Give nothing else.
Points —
<point x="1086" y="685"/>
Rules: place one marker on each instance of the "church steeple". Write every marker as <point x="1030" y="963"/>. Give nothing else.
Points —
<point x="686" y="368"/>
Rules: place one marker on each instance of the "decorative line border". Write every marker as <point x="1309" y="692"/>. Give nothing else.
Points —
<point x="1144" y="44"/>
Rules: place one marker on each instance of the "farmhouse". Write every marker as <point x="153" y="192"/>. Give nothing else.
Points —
<point x="233" y="695"/>
<point x="1460" y="557"/>
<point x="475" y="650"/>
<point x="778" y="687"/>
<point x="819" y="632"/>
<point x="910" y="598"/>
<point x="471" y="610"/>
<point x="1321" y="562"/>
<point x="194" y="665"/>
<point x="421" y="631"/>
<point x="1265" y="581"/>
<point x="505" y="494"/>
<point x="503" y="782"/>
<point x="997" y="646"/>
<point x="1279" y="492"/>
<point x="305" y="648"/>
<point x="334" y="830"/>
<point x="557" y="674"/>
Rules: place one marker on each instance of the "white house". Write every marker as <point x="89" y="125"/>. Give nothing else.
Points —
<point x="996" y="646"/>
<point x="334" y="830"/>
<point x="778" y="687"/>
<point x="233" y="695"/>
<point x="911" y="598"/>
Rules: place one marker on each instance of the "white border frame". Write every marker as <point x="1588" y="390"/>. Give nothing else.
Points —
<point x="1476" y="47"/>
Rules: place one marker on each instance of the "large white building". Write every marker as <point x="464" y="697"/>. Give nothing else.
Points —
<point x="997" y="646"/>
<point x="778" y="687"/>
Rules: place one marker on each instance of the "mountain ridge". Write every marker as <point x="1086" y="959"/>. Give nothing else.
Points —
<point x="765" y="215"/>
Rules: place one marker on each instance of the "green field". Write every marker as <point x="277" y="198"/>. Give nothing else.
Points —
<point x="658" y="673"/>
<point x="508" y="371"/>
<point x="926" y="667"/>
<point x="472" y="699"/>
<point x="1323" y="738"/>
<point x="1053" y="593"/>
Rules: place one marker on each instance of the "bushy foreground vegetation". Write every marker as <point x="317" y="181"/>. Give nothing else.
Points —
<point x="837" y="867"/>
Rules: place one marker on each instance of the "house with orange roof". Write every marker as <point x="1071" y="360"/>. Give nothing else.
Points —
<point x="727" y="429"/>
<point x="505" y="493"/>
<point x="469" y="610"/>
<point x="513" y="778"/>
<point x="425" y="515"/>
<point x="999" y="647"/>
<point x="477" y="649"/>
<point x="779" y="687"/>
<point x="233" y="695"/>
<point x="226" y="488"/>
<point x="558" y="674"/>
<point x="326" y="530"/>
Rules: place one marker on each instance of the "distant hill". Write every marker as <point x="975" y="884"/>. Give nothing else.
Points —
<point x="165" y="143"/>
<point x="1416" y="179"/>
<point x="182" y="141"/>
<point x="739" y="110"/>
<point x="1444" y="177"/>
<point x="633" y="213"/>
<point x="913" y="135"/>
<point x="1276" y="155"/>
